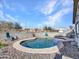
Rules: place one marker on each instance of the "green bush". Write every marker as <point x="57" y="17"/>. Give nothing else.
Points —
<point x="2" y="45"/>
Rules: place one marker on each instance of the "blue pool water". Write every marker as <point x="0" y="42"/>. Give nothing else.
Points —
<point x="39" y="43"/>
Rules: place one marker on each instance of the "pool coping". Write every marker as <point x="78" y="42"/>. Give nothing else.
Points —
<point x="50" y="50"/>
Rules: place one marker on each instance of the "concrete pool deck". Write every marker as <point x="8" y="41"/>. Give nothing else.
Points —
<point x="19" y="47"/>
<point x="9" y="52"/>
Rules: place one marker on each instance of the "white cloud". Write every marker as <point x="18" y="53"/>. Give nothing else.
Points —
<point x="23" y="25"/>
<point x="14" y="6"/>
<point x="10" y="18"/>
<point x="40" y="25"/>
<point x="57" y="18"/>
<point x="1" y="14"/>
<point x="48" y="7"/>
<point x="67" y="3"/>
<point x="14" y="19"/>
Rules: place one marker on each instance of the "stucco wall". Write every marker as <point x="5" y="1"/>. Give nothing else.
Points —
<point x="77" y="26"/>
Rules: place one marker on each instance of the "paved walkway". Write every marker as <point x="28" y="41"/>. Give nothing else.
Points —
<point x="69" y="52"/>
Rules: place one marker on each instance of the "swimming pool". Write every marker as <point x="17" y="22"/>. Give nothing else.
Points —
<point x="39" y="43"/>
<point x="40" y="48"/>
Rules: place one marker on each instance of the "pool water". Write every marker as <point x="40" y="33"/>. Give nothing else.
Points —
<point x="39" y="43"/>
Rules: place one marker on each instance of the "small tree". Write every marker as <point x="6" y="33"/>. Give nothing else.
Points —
<point x="6" y="25"/>
<point x="9" y="25"/>
<point x="17" y="26"/>
<point x="47" y="28"/>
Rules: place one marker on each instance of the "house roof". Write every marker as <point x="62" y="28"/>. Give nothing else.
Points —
<point x="74" y="10"/>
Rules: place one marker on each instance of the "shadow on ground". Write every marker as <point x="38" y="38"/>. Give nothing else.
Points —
<point x="70" y="51"/>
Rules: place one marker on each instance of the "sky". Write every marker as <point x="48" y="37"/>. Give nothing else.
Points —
<point x="37" y="13"/>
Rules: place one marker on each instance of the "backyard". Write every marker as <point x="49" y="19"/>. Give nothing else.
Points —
<point x="39" y="29"/>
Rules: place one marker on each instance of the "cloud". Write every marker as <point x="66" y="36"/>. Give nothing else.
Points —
<point x="13" y="6"/>
<point x="16" y="7"/>
<point x="67" y="3"/>
<point x="14" y="19"/>
<point x="23" y="25"/>
<point x="40" y="25"/>
<point x="10" y="18"/>
<point x="51" y="5"/>
<point x="1" y="15"/>
<point x="57" y="18"/>
<point x="66" y="7"/>
<point x="48" y="7"/>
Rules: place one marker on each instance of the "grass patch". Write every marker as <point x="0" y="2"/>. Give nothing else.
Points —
<point x="2" y="45"/>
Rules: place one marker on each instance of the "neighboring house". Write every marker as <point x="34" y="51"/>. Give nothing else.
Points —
<point x="34" y="30"/>
<point x="61" y="30"/>
<point x="76" y="20"/>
